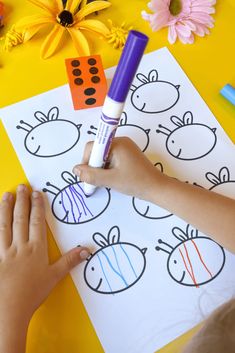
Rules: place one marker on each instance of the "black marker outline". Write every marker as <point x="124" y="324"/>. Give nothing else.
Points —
<point x="185" y="236"/>
<point x="152" y="77"/>
<point x="117" y="242"/>
<point x="71" y="182"/>
<point x="46" y="119"/>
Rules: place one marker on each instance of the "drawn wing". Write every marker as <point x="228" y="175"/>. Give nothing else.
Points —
<point x="159" y="166"/>
<point x="224" y="174"/>
<point x="41" y="117"/>
<point x="153" y="76"/>
<point x="176" y="120"/>
<point x="142" y="78"/>
<point x="179" y="234"/>
<point x="69" y="178"/>
<point x="212" y="178"/>
<point x="123" y="119"/>
<point x="188" y="118"/>
<point x="114" y="235"/>
<point x="53" y="113"/>
<point x="191" y="232"/>
<point x="100" y="240"/>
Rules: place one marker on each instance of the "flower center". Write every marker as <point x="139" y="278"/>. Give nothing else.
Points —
<point x="65" y="18"/>
<point x="175" y="7"/>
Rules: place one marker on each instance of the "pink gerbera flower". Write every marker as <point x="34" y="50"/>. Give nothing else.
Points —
<point x="183" y="17"/>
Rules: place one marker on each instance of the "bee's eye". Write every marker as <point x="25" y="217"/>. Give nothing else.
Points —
<point x="172" y="141"/>
<point x="175" y="262"/>
<point x="137" y="96"/>
<point x="60" y="202"/>
<point x="93" y="268"/>
<point x="32" y="138"/>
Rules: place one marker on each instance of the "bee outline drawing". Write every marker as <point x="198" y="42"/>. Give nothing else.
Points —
<point x="116" y="266"/>
<point x="46" y="139"/>
<point x="196" y="260"/>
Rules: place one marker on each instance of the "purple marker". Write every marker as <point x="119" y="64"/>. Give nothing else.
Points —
<point x="115" y="100"/>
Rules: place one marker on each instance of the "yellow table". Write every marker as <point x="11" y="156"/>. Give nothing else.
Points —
<point x="61" y="325"/>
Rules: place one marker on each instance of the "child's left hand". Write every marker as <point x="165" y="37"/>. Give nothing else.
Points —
<point x="26" y="277"/>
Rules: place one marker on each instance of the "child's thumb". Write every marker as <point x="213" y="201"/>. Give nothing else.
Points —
<point x="93" y="176"/>
<point x="68" y="261"/>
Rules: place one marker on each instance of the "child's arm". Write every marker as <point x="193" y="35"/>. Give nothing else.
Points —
<point x="26" y="277"/>
<point x="130" y="172"/>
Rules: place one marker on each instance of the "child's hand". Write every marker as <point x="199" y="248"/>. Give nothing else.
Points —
<point x="26" y="277"/>
<point x="129" y="172"/>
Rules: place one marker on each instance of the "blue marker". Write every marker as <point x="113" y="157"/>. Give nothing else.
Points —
<point x="228" y="92"/>
<point x="115" y="100"/>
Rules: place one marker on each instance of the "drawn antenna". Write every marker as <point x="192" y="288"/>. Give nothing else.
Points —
<point x="162" y="242"/>
<point x="47" y="190"/>
<point x="27" y="124"/>
<point x="53" y="186"/>
<point x="49" y="184"/>
<point x="158" y="249"/>
<point x="24" y="128"/>
<point x="92" y="132"/>
<point x="163" y="132"/>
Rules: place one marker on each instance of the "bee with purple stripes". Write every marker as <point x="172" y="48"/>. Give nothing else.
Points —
<point x="70" y="204"/>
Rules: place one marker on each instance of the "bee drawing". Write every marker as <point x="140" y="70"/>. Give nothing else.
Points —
<point x="71" y="205"/>
<point x="116" y="266"/>
<point x="52" y="136"/>
<point x="196" y="260"/>
<point x="183" y="141"/>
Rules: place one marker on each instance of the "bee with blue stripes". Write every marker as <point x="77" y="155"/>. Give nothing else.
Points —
<point x="116" y="266"/>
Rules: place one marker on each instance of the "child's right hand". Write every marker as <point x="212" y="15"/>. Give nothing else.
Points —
<point x="129" y="171"/>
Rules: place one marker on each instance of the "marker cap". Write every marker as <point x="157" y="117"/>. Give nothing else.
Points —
<point x="127" y="66"/>
<point x="228" y="92"/>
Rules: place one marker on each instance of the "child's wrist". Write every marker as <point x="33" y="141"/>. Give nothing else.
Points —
<point x="14" y="317"/>
<point x="155" y="191"/>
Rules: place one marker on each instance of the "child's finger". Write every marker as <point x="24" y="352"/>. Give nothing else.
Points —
<point x="21" y="215"/>
<point x="67" y="262"/>
<point x="37" y="223"/>
<point x="87" y="152"/>
<point x="6" y="215"/>
<point x="95" y="176"/>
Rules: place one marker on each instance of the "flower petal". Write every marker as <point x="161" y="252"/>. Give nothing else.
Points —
<point x="94" y="26"/>
<point x="185" y="40"/>
<point x="145" y="15"/>
<point x="183" y="30"/>
<point x="29" y="33"/>
<point x="172" y="35"/>
<point x="59" y="4"/>
<point x="52" y="41"/>
<point x="90" y="8"/>
<point x="201" y="30"/>
<point x="190" y="24"/>
<point x="31" y="21"/>
<point x="79" y="41"/>
<point x="204" y="9"/>
<point x="73" y="5"/>
<point x="51" y="6"/>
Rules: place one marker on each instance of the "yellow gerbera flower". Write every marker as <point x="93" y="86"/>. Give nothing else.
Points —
<point x="117" y="34"/>
<point x="65" y="16"/>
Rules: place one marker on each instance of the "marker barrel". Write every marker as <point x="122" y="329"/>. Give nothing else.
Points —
<point x="228" y="92"/>
<point x="115" y="100"/>
<point x="108" y="124"/>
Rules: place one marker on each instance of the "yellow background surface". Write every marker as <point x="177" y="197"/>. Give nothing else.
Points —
<point x="61" y="324"/>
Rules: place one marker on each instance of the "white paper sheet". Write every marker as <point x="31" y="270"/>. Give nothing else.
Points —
<point x="138" y="298"/>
